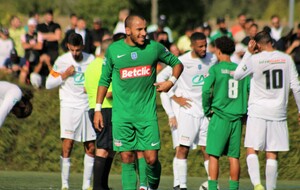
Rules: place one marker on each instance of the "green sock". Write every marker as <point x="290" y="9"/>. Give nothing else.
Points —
<point x="233" y="185"/>
<point x="153" y="174"/>
<point x="212" y="184"/>
<point x="128" y="176"/>
<point x="142" y="171"/>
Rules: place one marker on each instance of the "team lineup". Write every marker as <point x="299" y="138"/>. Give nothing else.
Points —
<point x="109" y="104"/>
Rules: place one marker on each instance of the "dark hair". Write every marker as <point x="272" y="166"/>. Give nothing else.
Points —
<point x="72" y="15"/>
<point x="241" y="14"/>
<point x="298" y="26"/>
<point x="129" y="19"/>
<point x="225" y="45"/>
<point x="263" y="37"/>
<point x="249" y="20"/>
<point x="23" y="108"/>
<point x="254" y="25"/>
<point x="197" y="36"/>
<point x="75" y="39"/>
<point x="49" y="11"/>
<point x="274" y="16"/>
<point x="118" y="36"/>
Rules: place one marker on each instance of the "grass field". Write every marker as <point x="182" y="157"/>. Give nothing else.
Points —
<point x="51" y="181"/>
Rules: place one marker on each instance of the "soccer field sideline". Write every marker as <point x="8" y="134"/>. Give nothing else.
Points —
<point x="19" y="180"/>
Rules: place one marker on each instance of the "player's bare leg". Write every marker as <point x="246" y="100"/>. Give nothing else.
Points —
<point x="89" y="148"/>
<point x="213" y="172"/>
<point x="234" y="173"/>
<point x="67" y="146"/>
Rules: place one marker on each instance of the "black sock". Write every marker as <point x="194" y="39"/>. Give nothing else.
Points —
<point x="105" y="175"/>
<point x="99" y="170"/>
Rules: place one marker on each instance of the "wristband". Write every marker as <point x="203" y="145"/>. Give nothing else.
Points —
<point x="98" y="107"/>
<point x="172" y="79"/>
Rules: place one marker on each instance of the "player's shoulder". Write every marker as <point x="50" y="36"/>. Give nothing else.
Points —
<point x="88" y="57"/>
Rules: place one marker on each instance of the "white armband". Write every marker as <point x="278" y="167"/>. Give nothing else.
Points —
<point x="98" y="107"/>
<point x="172" y="79"/>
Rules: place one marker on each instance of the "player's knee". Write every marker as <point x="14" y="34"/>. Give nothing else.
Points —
<point x="151" y="160"/>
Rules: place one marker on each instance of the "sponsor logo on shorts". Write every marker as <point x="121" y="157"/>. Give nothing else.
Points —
<point x="154" y="144"/>
<point x="135" y="72"/>
<point x="69" y="132"/>
<point x="185" y="139"/>
<point x="117" y="143"/>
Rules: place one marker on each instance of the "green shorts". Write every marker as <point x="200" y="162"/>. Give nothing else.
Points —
<point x="224" y="137"/>
<point x="128" y="136"/>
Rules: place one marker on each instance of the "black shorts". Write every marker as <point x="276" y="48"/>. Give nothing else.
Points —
<point x="104" y="138"/>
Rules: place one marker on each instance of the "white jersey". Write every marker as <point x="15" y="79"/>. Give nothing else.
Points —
<point x="170" y="106"/>
<point x="272" y="75"/>
<point x="71" y="90"/>
<point x="10" y="94"/>
<point x="189" y="84"/>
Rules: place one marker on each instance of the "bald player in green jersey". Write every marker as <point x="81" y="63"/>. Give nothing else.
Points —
<point x="131" y="63"/>
<point x="225" y="101"/>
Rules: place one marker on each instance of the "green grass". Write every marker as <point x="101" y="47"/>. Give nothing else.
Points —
<point x="46" y="180"/>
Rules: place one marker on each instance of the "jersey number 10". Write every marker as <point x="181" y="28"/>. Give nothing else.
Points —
<point x="274" y="78"/>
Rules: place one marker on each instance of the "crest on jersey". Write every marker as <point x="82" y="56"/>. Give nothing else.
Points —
<point x="134" y="55"/>
<point x="244" y="68"/>
<point x="199" y="67"/>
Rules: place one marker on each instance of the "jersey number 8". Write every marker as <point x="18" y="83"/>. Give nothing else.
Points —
<point x="232" y="88"/>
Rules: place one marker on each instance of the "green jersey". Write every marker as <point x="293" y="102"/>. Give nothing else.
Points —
<point x="222" y="94"/>
<point x="132" y="70"/>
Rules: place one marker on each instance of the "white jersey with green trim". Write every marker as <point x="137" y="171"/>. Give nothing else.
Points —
<point x="272" y="75"/>
<point x="10" y="94"/>
<point x="189" y="84"/>
<point x="71" y="90"/>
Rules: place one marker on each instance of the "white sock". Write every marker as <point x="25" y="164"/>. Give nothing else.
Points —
<point x="253" y="169"/>
<point x="88" y="171"/>
<point x="206" y="162"/>
<point x="176" y="181"/>
<point x="65" y="164"/>
<point x="271" y="174"/>
<point x="182" y="172"/>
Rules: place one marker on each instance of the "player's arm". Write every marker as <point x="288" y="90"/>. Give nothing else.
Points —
<point x="166" y="85"/>
<point x="166" y="57"/>
<point x="55" y="78"/>
<point x="207" y="92"/>
<point x="53" y="36"/>
<point x="103" y="86"/>
<point x="245" y="67"/>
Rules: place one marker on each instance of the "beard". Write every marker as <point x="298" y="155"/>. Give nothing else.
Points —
<point x="78" y="57"/>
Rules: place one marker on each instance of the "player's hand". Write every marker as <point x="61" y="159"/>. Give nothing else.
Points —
<point x="183" y="102"/>
<point x="252" y="46"/>
<point x="173" y="122"/>
<point x="98" y="121"/>
<point x="163" y="86"/>
<point x="69" y="72"/>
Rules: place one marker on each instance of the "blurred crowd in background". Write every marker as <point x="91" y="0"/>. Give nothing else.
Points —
<point x="28" y="51"/>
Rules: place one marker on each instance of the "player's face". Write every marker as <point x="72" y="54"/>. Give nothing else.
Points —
<point x="76" y="52"/>
<point x="137" y="31"/>
<point x="199" y="47"/>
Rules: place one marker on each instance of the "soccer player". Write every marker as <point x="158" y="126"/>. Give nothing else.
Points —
<point x="192" y="124"/>
<point x="104" y="143"/>
<point x="13" y="100"/>
<point x="272" y="74"/>
<point x="225" y="102"/>
<point x="131" y="63"/>
<point x="171" y="108"/>
<point x="75" y="125"/>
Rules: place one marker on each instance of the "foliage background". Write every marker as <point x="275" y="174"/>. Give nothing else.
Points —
<point x="33" y="144"/>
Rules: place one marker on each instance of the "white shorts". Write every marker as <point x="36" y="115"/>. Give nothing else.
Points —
<point x="76" y="125"/>
<point x="266" y="135"/>
<point x="192" y="130"/>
